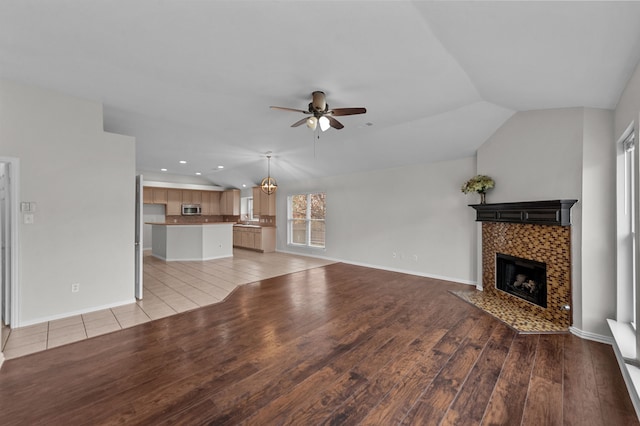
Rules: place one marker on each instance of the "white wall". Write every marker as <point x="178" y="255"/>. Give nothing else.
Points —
<point x="598" y="222"/>
<point x="82" y="180"/>
<point x="416" y="210"/>
<point x="565" y="154"/>
<point x="628" y="106"/>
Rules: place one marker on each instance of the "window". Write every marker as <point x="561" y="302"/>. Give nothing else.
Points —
<point x="250" y="209"/>
<point x="306" y="219"/>
<point x="627" y="218"/>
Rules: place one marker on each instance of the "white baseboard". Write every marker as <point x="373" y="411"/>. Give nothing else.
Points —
<point x="591" y="336"/>
<point x="70" y="314"/>
<point x="384" y="268"/>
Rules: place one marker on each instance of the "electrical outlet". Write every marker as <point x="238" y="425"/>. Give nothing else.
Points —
<point x="415" y="257"/>
<point x="394" y="255"/>
<point x="75" y="287"/>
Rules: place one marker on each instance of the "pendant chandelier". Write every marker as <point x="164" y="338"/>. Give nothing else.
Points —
<point x="268" y="184"/>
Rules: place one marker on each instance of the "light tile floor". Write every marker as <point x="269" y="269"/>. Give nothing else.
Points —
<point x="169" y="288"/>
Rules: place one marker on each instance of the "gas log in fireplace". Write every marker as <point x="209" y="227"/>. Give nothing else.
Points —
<point x="523" y="278"/>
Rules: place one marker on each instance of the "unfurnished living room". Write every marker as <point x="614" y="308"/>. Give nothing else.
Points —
<point x="302" y="212"/>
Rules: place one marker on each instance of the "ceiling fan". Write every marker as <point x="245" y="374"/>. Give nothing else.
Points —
<point x="321" y="114"/>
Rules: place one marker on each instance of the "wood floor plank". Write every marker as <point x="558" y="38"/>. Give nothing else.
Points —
<point x="337" y="344"/>
<point x="544" y="405"/>
<point x="507" y="400"/>
<point x="469" y="405"/>
<point x="615" y="403"/>
<point x="436" y="399"/>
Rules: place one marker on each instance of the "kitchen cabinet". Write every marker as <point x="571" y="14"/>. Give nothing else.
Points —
<point x="154" y="195"/>
<point x="255" y="237"/>
<point x="214" y="203"/>
<point x="190" y="196"/>
<point x="263" y="204"/>
<point x="247" y="238"/>
<point x="230" y="202"/>
<point x="159" y="195"/>
<point x="174" y="202"/>
<point x="206" y="203"/>
<point x="196" y="197"/>
<point x="147" y="195"/>
<point x="210" y="202"/>
<point x="174" y="198"/>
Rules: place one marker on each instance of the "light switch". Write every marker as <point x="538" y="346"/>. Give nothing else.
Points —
<point x="28" y="219"/>
<point x="24" y="207"/>
<point x="32" y="206"/>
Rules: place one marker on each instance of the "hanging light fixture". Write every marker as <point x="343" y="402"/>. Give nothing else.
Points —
<point x="268" y="184"/>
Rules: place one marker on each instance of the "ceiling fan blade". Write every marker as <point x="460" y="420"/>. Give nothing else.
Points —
<point x="334" y="123"/>
<point x="347" y="111"/>
<point x="290" y="109"/>
<point x="299" y="122"/>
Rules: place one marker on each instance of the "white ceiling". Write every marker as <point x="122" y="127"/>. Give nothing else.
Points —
<point x="193" y="80"/>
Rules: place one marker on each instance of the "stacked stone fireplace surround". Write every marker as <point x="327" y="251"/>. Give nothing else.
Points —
<point x="543" y="243"/>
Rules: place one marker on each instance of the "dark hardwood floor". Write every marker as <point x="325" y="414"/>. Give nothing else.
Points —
<point x="338" y="344"/>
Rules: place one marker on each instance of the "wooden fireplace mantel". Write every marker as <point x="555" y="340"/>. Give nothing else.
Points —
<point x="552" y="212"/>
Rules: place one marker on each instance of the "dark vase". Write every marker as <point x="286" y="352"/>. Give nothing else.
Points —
<point x="483" y="200"/>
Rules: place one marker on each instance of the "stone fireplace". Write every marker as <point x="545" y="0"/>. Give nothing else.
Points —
<point x="526" y="264"/>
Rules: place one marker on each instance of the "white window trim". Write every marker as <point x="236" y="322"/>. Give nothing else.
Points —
<point x="625" y="335"/>
<point x="307" y="219"/>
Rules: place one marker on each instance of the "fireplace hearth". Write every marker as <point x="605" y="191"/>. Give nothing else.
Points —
<point x="522" y="278"/>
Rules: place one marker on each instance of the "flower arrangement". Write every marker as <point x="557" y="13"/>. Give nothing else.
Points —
<point x="479" y="184"/>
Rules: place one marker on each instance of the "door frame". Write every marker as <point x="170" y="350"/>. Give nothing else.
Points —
<point x="138" y="239"/>
<point x="14" y="206"/>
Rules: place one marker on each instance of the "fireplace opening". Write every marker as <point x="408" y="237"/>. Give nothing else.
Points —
<point x="523" y="278"/>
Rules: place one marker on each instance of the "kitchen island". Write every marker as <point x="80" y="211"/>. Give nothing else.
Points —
<point x="202" y="241"/>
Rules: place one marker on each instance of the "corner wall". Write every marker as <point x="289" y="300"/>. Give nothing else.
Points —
<point x="415" y="210"/>
<point x="565" y="154"/>
<point x="82" y="181"/>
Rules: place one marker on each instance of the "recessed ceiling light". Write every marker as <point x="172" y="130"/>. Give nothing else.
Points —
<point x="198" y="173"/>
<point x="183" y="162"/>
<point x="221" y="167"/>
<point x="244" y="185"/>
<point x="163" y="170"/>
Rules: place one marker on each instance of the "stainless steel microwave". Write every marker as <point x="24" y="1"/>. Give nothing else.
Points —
<point x="191" y="209"/>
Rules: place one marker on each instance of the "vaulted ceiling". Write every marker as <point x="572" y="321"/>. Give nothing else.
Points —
<point x="193" y="80"/>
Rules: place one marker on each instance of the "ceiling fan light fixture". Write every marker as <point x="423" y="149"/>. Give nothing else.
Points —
<point x="268" y="184"/>
<point x="324" y="123"/>
<point x="312" y="123"/>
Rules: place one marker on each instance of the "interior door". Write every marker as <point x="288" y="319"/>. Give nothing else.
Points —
<point x="138" y="237"/>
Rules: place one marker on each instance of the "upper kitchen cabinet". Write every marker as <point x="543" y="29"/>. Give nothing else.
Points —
<point x="190" y="196"/>
<point x="147" y="195"/>
<point x="230" y="203"/>
<point x="210" y="203"/>
<point x="154" y="195"/>
<point x="174" y="202"/>
<point x="263" y="204"/>
<point x="159" y="195"/>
